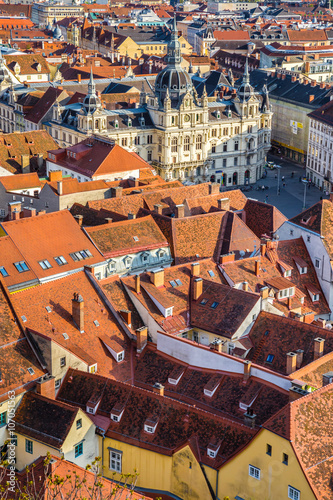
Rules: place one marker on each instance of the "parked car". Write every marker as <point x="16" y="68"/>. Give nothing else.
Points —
<point x="270" y="165"/>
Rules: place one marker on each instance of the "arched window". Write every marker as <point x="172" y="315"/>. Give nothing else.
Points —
<point x="174" y="145"/>
<point x="198" y="142"/>
<point x="187" y="143"/>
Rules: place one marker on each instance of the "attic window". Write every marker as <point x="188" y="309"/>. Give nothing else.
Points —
<point x="287" y="273"/>
<point x="214" y="305"/>
<point x="48" y="308"/>
<point x="203" y="302"/>
<point x="303" y="270"/>
<point x="135" y="238"/>
<point x="150" y="427"/>
<point x="3" y="272"/>
<point x="31" y="371"/>
<point x="21" y="266"/>
<point x="66" y="337"/>
<point x="270" y="358"/>
<point x="44" y="264"/>
<point x="60" y="260"/>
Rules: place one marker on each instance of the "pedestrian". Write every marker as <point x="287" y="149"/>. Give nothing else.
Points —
<point x="292" y="174"/>
<point x="266" y="198"/>
<point x="309" y="185"/>
<point x="300" y="178"/>
<point x="284" y="184"/>
<point x="278" y="190"/>
<point x="282" y="178"/>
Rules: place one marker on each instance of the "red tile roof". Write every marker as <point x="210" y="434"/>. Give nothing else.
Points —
<point x="87" y="346"/>
<point x="263" y="218"/>
<point x="177" y="422"/>
<point x="134" y="235"/>
<point x="232" y="35"/>
<point x="44" y="104"/>
<point x="21" y="181"/>
<point x="306" y="35"/>
<point x="49" y="236"/>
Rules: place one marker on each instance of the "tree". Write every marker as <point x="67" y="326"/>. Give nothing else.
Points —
<point x="52" y="478"/>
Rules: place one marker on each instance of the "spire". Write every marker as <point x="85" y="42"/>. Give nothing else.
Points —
<point x="91" y="84"/>
<point x="246" y="77"/>
<point x="174" y="53"/>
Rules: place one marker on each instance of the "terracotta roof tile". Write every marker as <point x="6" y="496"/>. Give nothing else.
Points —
<point x="134" y="235"/>
<point x="50" y="235"/>
<point x="44" y="419"/>
<point x="263" y="218"/>
<point x="58" y="296"/>
<point x="20" y="181"/>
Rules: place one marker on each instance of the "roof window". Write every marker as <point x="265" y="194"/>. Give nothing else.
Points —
<point x="211" y="273"/>
<point x="214" y="305"/>
<point x="48" y="308"/>
<point x="270" y="358"/>
<point x="31" y="371"/>
<point x="44" y="264"/>
<point x="173" y="283"/>
<point x="3" y="272"/>
<point x="135" y="238"/>
<point x="21" y="266"/>
<point x="179" y="283"/>
<point x="66" y="337"/>
<point x="80" y="255"/>
<point x="203" y="302"/>
<point x="60" y="260"/>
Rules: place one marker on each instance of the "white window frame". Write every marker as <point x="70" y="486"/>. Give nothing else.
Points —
<point x="254" y="472"/>
<point x="115" y="460"/>
<point x="293" y="493"/>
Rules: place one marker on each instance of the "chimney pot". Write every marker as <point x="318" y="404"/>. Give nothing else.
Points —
<point x="319" y="344"/>
<point x="141" y="338"/>
<point x="245" y="286"/>
<point x="45" y="386"/>
<point x="223" y="204"/>
<point x="197" y="288"/>
<point x="79" y="219"/>
<point x="291" y="362"/>
<point x="228" y="257"/>
<point x="299" y="357"/>
<point x="158" y="388"/>
<point x="195" y="269"/>
<point x="250" y="418"/>
<point x="137" y="283"/>
<point x="264" y="292"/>
<point x="157" y="278"/>
<point x="108" y="220"/>
<point x="180" y="211"/>
<point x="78" y="311"/>
<point x="247" y="370"/>
<point x="263" y="249"/>
<point x="158" y="208"/>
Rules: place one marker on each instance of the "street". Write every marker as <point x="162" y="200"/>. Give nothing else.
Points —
<point x="290" y="200"/>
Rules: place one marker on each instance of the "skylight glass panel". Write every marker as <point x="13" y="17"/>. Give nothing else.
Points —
<point x="44" y="264"/>
<point x="204" y="302"/>
<point x="3" y="271"/>
<point x="270" y="358"/>
<point x="135" y="238"/>
<point x="211" y="273"/>
<point x="173" y="283"/>
<point x="21" y="266"/>
<point x="60" y="260"/>
<point x="179" y="283"/>
<point x="214" y="305"/>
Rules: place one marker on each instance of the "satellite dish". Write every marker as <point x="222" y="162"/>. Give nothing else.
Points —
<point x="241" y="253"/>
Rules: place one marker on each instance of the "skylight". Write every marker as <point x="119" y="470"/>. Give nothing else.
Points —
<point x="179" y="283"/>
<point x="270" y="358"/>
<point x="96" y="322"/>
<point x="204" y="302"/>
<point x="21" y="266"/>
<point x="48" y="308"/>
<point x="24" y="319"/>
<point x="3" y="272"/>
<point x="173" y="283"/>
<point x="214" y="305"/>
<point x="135" y="238"/>
<point x="31" y="371"/>
<point x="60" y="260"/>
<point x="44" y="264"/>
<point x="80" y="255"/>
<point x="211" y="273"/>
<point x="66" y="337"/>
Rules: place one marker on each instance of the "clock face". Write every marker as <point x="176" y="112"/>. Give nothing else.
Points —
<point x="186" y="118"/>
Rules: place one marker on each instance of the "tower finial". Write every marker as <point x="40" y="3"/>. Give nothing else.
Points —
<point x="91" y="84"/>
<point x="246" y="77"/>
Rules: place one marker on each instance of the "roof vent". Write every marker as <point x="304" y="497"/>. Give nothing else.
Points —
<point x="48" y="308"/>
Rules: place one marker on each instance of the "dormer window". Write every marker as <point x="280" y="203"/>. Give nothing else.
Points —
<point x="127" y="262"/>
<point x="287" y="273"/>
<point x="150" y="425"/>
<point x="303" y="270"/>
<point x="301" y="265"/>
<point x="287" y="292"/>
<point x="117" y="412"/>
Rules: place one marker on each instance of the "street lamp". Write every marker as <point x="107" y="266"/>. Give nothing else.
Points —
<point x="278" y="182"/>
<point x="305" y="182"/>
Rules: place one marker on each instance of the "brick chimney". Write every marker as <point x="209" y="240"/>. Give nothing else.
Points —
<point x="257" y="267"/>
<point x="127" y="317"/>
<point x="247" y="370"/>
<point x="79" y="77"/>
<point x="195" y="269"/>
<point x="137" y="283"/>
<point x="245" y="286"/>
<point x="59" y="188"/>
<point x="318" y="348"/>
<point x="250" y="418"/>
<point x="228" y="257"/>
<point x="283" y="77"/>
<point x="157" y="277"/>
<point x="116" y="192"/>
<point x="214" y="188"/>
<point x="223" y="204"/>
<point x="180" y="211"/>
<point x="158" y="208"/>
<point x="263" y="249"/>
<point x="25" y="164"/>
<point x="293" y="79"/>
<point x="264" y="292"/>
<point x="291" y="362"/>
<point x="299" y="358"/>
<point x="55" y="175"/>
<point x="45" y="386"/>
<point x="141" y="338"/>
<point x="79" y="219"/>
<point x="158" y="388"/>
<point x="108" y="220"/>
<point x="78" y="311"/>
<point x="197" y="288"/>
<point x="313" y="83"/>
<point x="14" y="209"/>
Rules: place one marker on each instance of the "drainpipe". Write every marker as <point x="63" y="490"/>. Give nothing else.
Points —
<point x="103" y="437"/>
